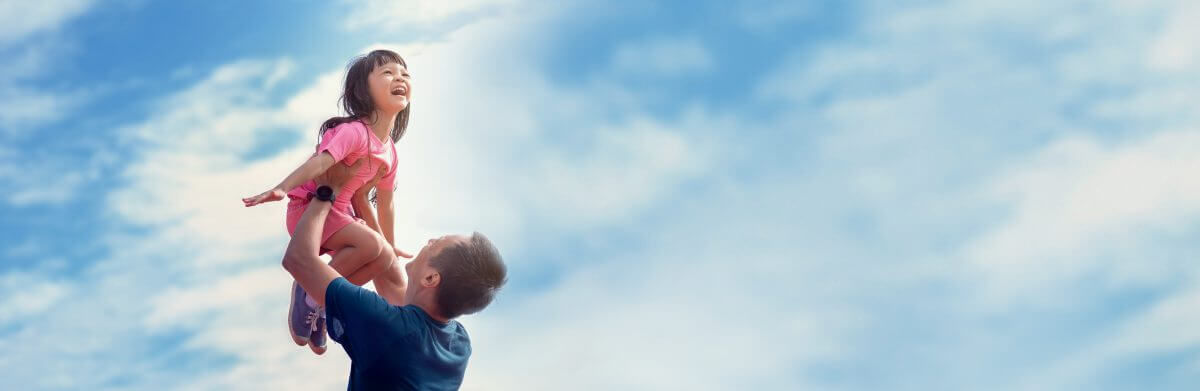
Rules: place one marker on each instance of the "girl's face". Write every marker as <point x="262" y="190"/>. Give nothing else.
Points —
<point x="391" y="87"/>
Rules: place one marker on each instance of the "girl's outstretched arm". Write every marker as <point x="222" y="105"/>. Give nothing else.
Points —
<point x="315" y="165"/>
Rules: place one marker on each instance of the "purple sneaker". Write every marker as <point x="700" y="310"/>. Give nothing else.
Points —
<point x="317" y="340"/>
<point x="299" y="315"/>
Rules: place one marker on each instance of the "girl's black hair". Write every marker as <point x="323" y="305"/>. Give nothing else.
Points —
<point x="356" y="96"/>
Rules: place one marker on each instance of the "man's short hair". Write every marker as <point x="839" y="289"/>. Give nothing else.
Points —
<point x="472" y="274"/>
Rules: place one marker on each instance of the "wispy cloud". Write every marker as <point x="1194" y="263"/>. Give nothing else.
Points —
<point x="29" y="40"/>
<point x="179" y="244"/>
<point x="19" y="19"/>
<point x="1175" y="49"/>
<point x="663" y="57"/>
<point x="995" y="162"/>
<point x="407" y="15"/>
<point x="1082" y="209"/>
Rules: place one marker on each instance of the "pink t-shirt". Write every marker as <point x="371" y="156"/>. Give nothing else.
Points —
<point x="347" y="143"/>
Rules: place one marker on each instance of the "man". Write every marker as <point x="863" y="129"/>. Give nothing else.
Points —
<point x="414" y="344"/>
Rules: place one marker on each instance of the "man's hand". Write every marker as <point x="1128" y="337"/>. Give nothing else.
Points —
<point x="338" y="174"/>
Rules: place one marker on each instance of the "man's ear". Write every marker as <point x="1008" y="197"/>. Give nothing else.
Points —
<point x="431" y="280"/>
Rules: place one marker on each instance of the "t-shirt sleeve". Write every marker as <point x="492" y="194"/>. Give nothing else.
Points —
<point x="360" y="320"/>
<point x="345" y="142"/>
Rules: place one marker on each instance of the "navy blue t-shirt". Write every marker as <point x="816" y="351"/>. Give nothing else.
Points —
<point x="394" y="348"/>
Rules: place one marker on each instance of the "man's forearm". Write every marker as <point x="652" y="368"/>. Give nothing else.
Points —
<point x="302" y="258"/>
<point x="306" y="238"/>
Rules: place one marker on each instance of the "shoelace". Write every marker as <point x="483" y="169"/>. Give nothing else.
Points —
<point x="311" y="319"/>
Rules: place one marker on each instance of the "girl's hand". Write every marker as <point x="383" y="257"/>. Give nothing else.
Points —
<point x="400" y="253"/>
<point x="266" y="196"/>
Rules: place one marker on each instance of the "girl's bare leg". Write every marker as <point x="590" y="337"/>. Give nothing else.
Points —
<point x="370" y="257"/>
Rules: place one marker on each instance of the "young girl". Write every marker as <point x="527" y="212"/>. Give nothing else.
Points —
<point x="376" y="99"/>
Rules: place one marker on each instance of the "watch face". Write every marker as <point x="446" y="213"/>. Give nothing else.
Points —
<point x="324" y="193"/>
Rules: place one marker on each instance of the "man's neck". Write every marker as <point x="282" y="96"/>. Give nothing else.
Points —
<point x="432" y="311"/>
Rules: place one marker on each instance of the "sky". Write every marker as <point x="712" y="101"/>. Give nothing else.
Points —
<point x="824" y="195"/>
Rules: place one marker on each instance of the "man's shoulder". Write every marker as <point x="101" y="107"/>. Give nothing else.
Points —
<point x="340" y="285"/>
<point x="433" y="355"/>
<point x="450" y="333"/>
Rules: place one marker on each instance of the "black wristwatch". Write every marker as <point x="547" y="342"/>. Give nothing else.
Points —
<point x="325" y="193"/>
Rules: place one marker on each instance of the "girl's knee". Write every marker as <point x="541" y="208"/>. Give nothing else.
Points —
<point x="371" y="249"/>
<point x="385" y="249"/>
<point x="385" y="258"/>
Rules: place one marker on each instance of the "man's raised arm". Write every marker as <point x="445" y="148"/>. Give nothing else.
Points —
<point x="302" y="258"/>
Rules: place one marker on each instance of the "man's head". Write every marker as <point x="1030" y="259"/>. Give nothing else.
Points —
<point x="457" y="274"/>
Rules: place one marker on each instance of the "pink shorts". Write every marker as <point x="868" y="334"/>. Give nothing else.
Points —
<point x="336" y="220"/>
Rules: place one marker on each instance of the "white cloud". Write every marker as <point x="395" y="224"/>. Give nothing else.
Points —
<point x="721" y="297"/>
<point x="1020" y="156"/>
<point x="37" y="179"/>
<point x="1178" y="46"/>
<point x="1164" y="327"/>
<point x="24" y="106"/>
<point x="663" y="57"/>
<point x="21" y="19"/>
<point x="24" y="56"/>
<point x="183" y="188"/>
<point x="767" y="16"/>
<point x="28" y="295"/>
<point x="1077" y="201"/>
<point x="51" y="187"/>
<point x="30" y="106"/>
<point x="1101" y="217"/>
<point x="26" y="47"/>
<point x="400" y="15"/>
